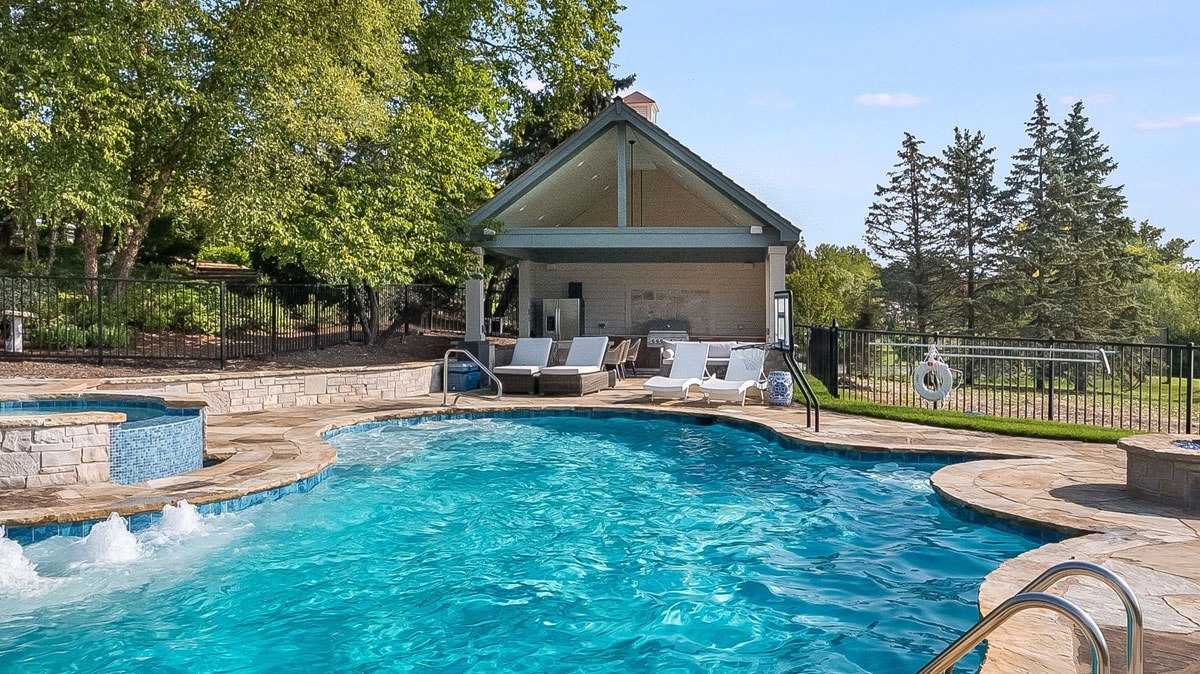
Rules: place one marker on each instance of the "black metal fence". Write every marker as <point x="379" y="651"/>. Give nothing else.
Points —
<point x="1124" y="385"/>
<point x="96" y="319"/>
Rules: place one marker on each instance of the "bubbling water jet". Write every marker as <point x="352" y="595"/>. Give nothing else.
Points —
<point x="110" y="541"/>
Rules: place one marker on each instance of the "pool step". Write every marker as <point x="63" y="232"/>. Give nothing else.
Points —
<point x="1033" y="595"/>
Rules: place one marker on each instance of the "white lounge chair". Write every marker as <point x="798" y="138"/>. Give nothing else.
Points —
<point x="687" y="370"/>
<point x="745" y="371"/>
<point x="529" y="357"/>
<point x="583" y="371"/>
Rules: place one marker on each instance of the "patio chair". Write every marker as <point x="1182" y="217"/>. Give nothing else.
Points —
<point x="529" y="357"/>
<point x="615" y="358"/>
<point x="687" y="370"/>
<point x="744" y="372"/>
<point x="583" y="373"/>
<point x="631" y="359"/>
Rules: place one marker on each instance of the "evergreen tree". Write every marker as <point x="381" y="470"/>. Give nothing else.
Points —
<point x="1035" y="246"/>
<point x="1101" y="268"/>
<point x="906" y="228"/>
<point x="973" y="221"/>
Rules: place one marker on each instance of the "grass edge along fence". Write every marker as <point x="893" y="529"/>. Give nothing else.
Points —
<point x="99" y="319"/>
<point x="1145" y="387"/>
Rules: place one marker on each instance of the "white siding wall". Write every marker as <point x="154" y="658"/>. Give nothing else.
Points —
<point x="728" y="298"/>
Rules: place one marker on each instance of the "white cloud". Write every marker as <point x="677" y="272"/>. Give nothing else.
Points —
<point x="1173" y="123"/>
<point x="771" y="100"/>
<point x="1094" y="99"/>
<point x="889" y="100"/>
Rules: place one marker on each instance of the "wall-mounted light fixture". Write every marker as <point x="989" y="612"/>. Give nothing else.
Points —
<point x="755" y="229"/>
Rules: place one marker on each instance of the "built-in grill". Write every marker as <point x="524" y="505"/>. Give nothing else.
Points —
<point x="662" y="331"/>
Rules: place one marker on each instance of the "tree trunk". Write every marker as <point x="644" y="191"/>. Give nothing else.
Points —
<point x="87" y="241"/>
<point x="52" y="248"/>
<point x="366" y="308"/>
<point x="31" y="240"/>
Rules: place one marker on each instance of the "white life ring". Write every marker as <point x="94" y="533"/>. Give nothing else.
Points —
<point x="941" y="372"/>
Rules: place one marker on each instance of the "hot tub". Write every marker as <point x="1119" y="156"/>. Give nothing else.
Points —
<point x="60" y="440"/>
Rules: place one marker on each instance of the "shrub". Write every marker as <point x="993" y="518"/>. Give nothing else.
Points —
<point x="57" y="334"/>
<point x="226" y="254"/>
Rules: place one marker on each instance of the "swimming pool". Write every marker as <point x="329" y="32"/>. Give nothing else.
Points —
<point x="544" y="544"/>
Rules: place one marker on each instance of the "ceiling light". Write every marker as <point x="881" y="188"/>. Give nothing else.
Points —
<point x="542" y="217"/>
<point x="521" y="209"/>
<point x="580" y="162"/>
<point x="595" y="175"/>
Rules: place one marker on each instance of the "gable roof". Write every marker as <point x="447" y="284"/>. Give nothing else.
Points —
<point x="619" y="112"/>
<point x="635" y="97"/>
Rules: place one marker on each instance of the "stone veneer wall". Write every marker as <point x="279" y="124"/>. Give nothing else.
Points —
<point x="39" y="456"/>
<point x="254" y="391"/>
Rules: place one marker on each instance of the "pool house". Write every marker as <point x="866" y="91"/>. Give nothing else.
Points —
<point x="622" y="231"/>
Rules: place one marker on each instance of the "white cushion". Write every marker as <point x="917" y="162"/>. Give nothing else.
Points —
<point x="720" y="349"/>
<point x="532" y="351"/>
<point x="516" y="369"/>
<point x="670" y="383"/>
<point x="587" y="351"/>
<point x="570" y="369"/>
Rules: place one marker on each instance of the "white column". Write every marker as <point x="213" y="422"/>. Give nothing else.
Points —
<point x="776" y="280"/>
<point x="525" y="298"/>
<point x="475" y="291"/>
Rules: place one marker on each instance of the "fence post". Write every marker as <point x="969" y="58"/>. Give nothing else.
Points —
<point x="834" y="357"/>
<point x="1050" y="384"/>
<point x="274" y="318"/>
<point x="406" y="309"/>
<point x="221" y="312"/>
<point x="1190" y="383"/>
<point x="99" y="322"/>
<point x="349" y="313"/>
<point x="316" y="323"/>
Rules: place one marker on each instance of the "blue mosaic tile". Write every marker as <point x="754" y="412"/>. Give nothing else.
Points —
<point x="141" y="453"/>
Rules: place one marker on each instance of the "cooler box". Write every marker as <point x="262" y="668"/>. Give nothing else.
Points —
<point x="463" y="376"/>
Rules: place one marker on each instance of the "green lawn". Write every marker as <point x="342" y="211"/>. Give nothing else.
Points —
<point x="1030" y="428"/>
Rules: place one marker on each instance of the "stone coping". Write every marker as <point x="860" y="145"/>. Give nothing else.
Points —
<point x="1072" y="488"/>
<point x="82" y="417"/>
<point x="248" y="374"/>
<point x="1162" y="445"/>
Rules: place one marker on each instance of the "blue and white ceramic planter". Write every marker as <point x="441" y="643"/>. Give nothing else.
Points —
<point x="779" y="387"/>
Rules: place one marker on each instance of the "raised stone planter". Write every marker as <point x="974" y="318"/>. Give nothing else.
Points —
<point x="1157" y="469"/>
<point x="56" y="449"/>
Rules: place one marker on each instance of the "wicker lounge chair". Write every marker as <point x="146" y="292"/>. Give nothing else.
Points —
<point x="529" y="357"/>
<point x="583" y="373"/>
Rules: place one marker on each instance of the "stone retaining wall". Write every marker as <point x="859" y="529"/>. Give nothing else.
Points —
<point x="255" y="391"/>
<point x="45" y="455"/>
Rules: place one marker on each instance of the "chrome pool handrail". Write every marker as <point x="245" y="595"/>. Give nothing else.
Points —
<point x="482" y="367"/>
<point x="945" y="661"/>
<point x="1133" y="610"/>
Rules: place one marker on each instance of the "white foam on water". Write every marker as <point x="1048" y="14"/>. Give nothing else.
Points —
<point x="18" y="575"/>
<point x="178" y="521"/>
<point x="109" y="542"/>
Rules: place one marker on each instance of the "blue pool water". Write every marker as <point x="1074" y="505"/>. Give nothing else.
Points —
<point x="559" y="544"/>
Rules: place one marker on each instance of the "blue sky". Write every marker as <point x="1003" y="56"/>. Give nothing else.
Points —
<point x="805" y="103"/>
